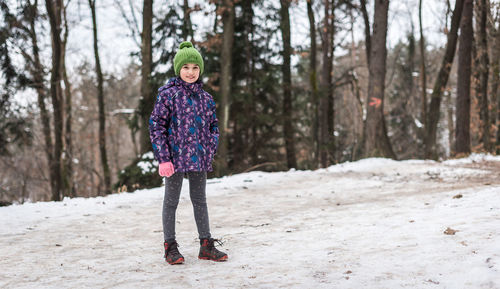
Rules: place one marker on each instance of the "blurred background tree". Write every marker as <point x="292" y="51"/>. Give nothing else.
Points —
<point x="298" y="84"/>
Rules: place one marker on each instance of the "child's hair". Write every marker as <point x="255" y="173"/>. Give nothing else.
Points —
<point x="187" y="54"/>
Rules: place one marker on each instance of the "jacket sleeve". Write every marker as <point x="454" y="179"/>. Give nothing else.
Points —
<point x="159" y="122"/>
<point x="214" y="126"/>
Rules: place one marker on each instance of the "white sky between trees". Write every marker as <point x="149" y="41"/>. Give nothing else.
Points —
<point x="116" y="41"/>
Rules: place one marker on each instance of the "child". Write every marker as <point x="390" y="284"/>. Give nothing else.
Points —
<point x="184" y="133"/>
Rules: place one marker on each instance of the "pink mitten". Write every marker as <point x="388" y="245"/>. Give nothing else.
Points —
<point x="166" y="169"/>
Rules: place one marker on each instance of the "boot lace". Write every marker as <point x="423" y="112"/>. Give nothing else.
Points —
<point x="173" y="248"/>
<point x="211" y="243"/>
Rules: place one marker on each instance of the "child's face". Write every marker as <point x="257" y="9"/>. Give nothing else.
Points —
<point x="190" y="72"/>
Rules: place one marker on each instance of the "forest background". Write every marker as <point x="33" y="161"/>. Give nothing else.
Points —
<point x="298" y="84"/>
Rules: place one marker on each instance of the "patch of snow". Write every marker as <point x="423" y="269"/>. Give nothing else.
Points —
<point x="123" y="111"/>
<point x="148" y="155"/>
<point x="146" y="167"/>
<point x="373" y="223"/>
<point x="473" y="158"/>
<point x="418" y="123"/>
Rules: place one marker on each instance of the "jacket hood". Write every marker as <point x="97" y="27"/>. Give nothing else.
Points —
<point x="177" y="81"/>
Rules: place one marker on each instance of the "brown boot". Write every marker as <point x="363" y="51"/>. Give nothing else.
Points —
<point x="172" y="254"/>
<point x="209" y="252"/>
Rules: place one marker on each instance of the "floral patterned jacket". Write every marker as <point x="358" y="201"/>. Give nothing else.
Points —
<point x="183" y="126"/>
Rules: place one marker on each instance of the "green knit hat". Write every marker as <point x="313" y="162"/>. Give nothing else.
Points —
<point x="187" y="54"/>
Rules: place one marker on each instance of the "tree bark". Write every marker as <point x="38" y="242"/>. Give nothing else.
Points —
<point x="462" y="128"/>
<point x="37" y="74"/>
<point x="313" y="82"/>
<point x="423" y="73"/>
<point x="331" y="90"/>
<point x="100" y="100"/>
<point x="376" y="141"/>
<point x="495" y="92"/>
<point x="54" y="8"/>
<point x="187" y="28"/>
<point x="147" y="99"/>
<point x="440" y="83"/>
<point x="69" y="188"/>
<point x="326" y="82"/>
<point x="287" y="86"/>
<point x="228" y="15"/>
<point x="250" y="108"/>
<point x="368" y="41"/>
<point x="483" y="77"/>
<point x="449" y="115"/>
<point x="355" y="89"/>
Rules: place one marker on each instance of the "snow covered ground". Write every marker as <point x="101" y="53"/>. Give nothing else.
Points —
<point x="375" y="223"/>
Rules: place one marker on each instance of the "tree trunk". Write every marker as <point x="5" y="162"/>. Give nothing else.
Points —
<point x="331" y="90"/>
<point x="69" y="187"/>
<point x="187" y="28"/>
<point x="313" y="82"/>
<point x="287" y="86"/>
<point x="54" y="8"/>
<point x="440" y="83"/>
<point x="483" y="77"/>
<point x="326" y="82"/>
<point x="228" y="15"/>
<point x="423" y="73"/>
<point x="495" y="92"/>
<point x="462" y="125"/>
<point x="250" y="108"/>
<point x="37" y="74"/>
<point x="376" y="141"/>
<point x="355" y="90"/>
<point x="368" y="40"/>
<point x="451" y="127"/>
<point x="147" y="99"/>
<point x="100" y="100"/>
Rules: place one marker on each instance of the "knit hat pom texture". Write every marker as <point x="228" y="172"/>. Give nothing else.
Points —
<point x="187" y="54"/>
<point x="185" y="44"/>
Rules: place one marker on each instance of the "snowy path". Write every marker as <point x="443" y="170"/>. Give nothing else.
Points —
<point x="374" y="223"/>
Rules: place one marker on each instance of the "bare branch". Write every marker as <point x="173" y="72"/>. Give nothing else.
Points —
<point x="132" y="23"/>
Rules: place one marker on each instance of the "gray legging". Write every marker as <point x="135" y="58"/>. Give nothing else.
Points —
<point x="173" y="185"/>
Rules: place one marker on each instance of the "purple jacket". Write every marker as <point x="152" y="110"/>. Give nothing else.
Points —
<point x="183" y="126"/>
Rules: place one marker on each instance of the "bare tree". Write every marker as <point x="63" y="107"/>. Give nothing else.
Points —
<point x="331" y="89"/>
<point x="423" y="73"/>
<point x="357" y="115"/>
<point x="368" y="34"/>
<point x="495" y="82"/>
<point x="313" y="80"/>
<point x="449" y="118"/>
<point x="228" y="14"/>
<point x="68" y="182"/>
<point x="100" y="100"/>
<point x="483" y="69"/>
<point x="37" y="73"/>
<point x="326" y="86"/>
<point x="54" y="8"/>
<point x="131" y="20"/>
<point x="462" y="125"/>
<point x="187" y="26"/>
<point x="440" y="83"/>
<point x="376" y="141"/>
<point x="249" y="30"/>
<point x="287" y="85"/>
<point x="147" y="100"/>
